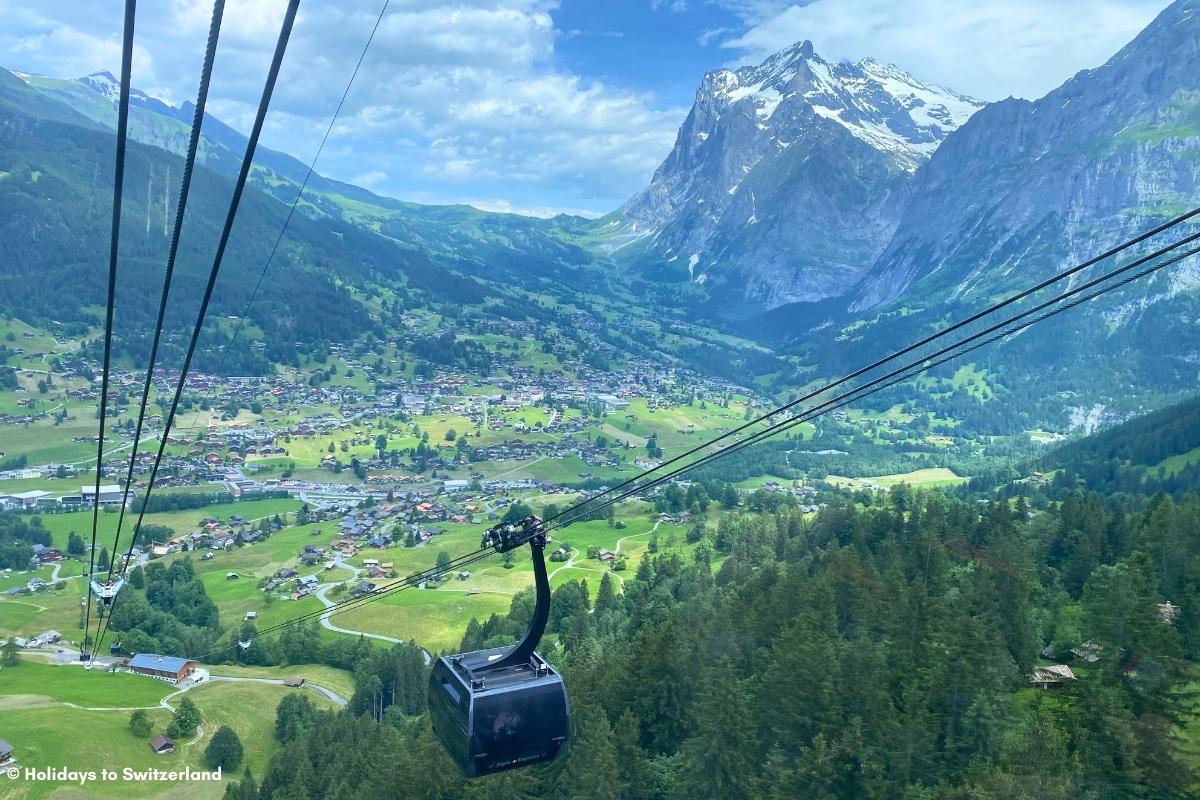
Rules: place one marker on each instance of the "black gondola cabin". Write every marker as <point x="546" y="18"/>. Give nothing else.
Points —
<point x="493" y="720"/>
<point x="506" y="707"/>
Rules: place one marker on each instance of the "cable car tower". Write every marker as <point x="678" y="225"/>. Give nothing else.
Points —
<point x="506" y="707"/>
<point x="106" y="590"/>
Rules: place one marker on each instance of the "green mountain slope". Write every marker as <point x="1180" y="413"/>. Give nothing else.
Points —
<point x="1158" y="451"/>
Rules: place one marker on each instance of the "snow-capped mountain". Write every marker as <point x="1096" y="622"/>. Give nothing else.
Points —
<point x="786" y="178"/>
<point x="105" y="83"/>
<point x="881" y="104"/>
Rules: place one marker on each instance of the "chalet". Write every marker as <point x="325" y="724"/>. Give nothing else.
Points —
<point x="1052" y="676"/>
<point x="378" y="541"/>
<point x="162" y="744"/>
<point x="286" y="573"/>
<point x="165" y="668"/>
<point x="6" y="752"/>
<point x="607" y="555"/>
<point x="1089" y="651"/>
<point x="251" y="616"/>
<point x="293" y="683"/>
<point x="462" y="576"/>
<point x="308" y="581"/>
<point x="366" y="587"/>
<point x="370" y="562"/>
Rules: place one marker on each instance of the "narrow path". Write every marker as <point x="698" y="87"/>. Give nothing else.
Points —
<point x="469" y="592"/>
<point x="109" y="708"/>
<point x="518" y="469"/>
<point x="31" y="605"/>
<point x="328" y="693"/>
<point x="325" y="623"/>
<point x="633" y="535"/>
<point x="568" y="564"/>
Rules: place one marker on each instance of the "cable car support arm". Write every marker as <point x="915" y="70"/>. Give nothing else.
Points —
<point x="503" y="538"/>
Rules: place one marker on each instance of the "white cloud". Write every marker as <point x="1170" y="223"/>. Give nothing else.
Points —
<point x="987" y="49"/>
<point x="370" y="180"/>
<point x="544" y="212"/>
<point x="454" y="97"/>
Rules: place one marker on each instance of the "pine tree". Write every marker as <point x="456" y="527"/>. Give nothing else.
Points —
<point x="10" y="655"/>
<point x="186" y="719"/>
<point x="224" y="749"/>
<point x="606" y="596"/>
<point x="720" y="753"/>
<point x="591" y="761"/>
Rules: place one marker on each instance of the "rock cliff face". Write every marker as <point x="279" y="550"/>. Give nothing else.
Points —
<point x="1026" y="187"/>
<point x="788" y="179"/>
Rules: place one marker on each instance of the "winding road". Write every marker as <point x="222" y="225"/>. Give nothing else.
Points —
<point x="570" y="562"/>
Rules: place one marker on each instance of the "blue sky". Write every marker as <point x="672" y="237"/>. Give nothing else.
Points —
<point x="540" y="106"/>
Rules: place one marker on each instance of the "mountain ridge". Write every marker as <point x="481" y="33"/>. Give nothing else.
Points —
<point x="786" y="178"/>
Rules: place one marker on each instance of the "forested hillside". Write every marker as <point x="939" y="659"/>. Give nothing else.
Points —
<point x="880" y="651"/>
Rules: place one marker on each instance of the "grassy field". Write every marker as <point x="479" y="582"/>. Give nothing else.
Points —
<point x="50" y="734"/>
<point x="434" y="618"/>
<point x="1173" y="464"/>
<point x="928" y="478"/>
<point x="60" y="525"/>
<point x="336" y="680"/>
<point x="38" y="682"/>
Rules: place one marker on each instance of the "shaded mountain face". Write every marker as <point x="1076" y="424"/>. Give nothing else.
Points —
<point x="1024" y="188"/>
<point x="787" y="179"/>
<point x="492" y="246"/>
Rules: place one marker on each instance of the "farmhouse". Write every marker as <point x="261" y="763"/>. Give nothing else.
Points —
<point x="1051" y="677"/>
<point x="165" y="668"/>
<point x="162" y="744"/>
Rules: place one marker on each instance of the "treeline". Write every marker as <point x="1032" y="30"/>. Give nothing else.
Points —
<point x="447" y="350"/>
<point x="17" y="537"/>
<point x="181" y="501"/>
<point x="874" y="651"/>
<point x="830" y="452"/>
<point x="174" y="616"/>
<point x="298" y="644"/>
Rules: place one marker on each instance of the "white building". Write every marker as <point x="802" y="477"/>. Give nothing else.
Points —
<point x="22" y="499"/>
<point x="110" y="495"/>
